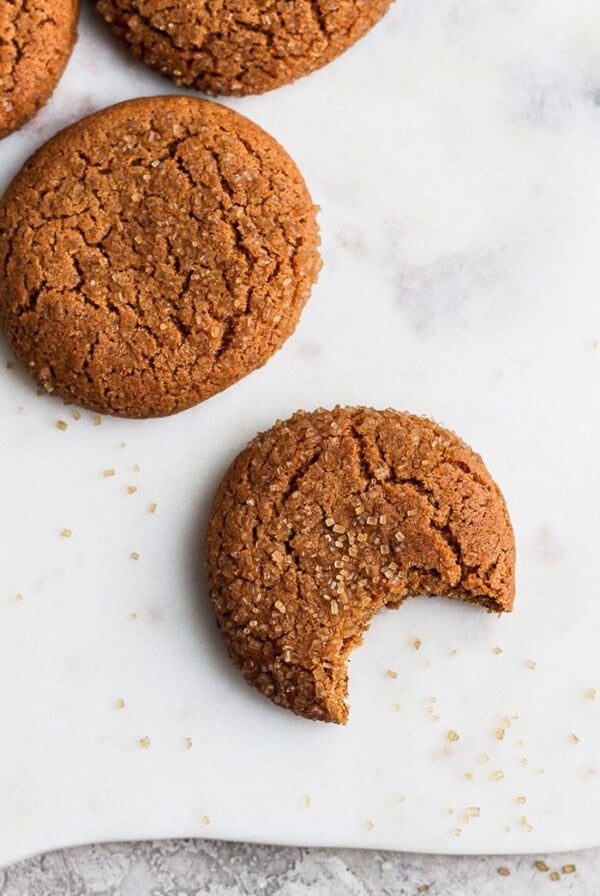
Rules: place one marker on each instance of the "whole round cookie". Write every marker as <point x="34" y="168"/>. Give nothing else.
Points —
<point x="153" y="254"/>
<point x="331" y="515"/>
<point x="36" y="39"/>
<point x="239" y="46"/>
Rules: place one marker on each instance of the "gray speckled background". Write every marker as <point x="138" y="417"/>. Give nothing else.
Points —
<point x="194" y="867"/>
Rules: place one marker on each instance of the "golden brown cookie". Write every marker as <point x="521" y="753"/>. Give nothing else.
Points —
<point x="36" y="39"/>
<point x="329" y="516"/>
<point x="239" y="46"/>
<point x="153" y="254"/>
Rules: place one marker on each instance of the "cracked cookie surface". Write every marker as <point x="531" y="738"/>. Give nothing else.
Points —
<point x="153" y="254"/>
<point x="239" y="46"/>
<point x="329" y="516"/>
<point x="36" y="39"/>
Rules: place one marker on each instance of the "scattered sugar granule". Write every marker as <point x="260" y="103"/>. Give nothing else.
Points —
<point x="96" y="419"/>
<point x="499" y="733"/>
<point x="187" y="742"/>
<point x="391" y="674"/>
<point x="503" y="871"/>
<point x="131" y="489"/>
<point x="497" y="650"/>
<point x="65" y="533"/>
<point x="205" y="820"/>
<point x="574" y="739"/>
<point x="416" y="643"/>
<point x="107" y="473"/>
<point x="497" y="775"/>
<point x="591" y="694"/>
<point x="452" y="735"/>
<point x="541" y="865"/>
<point x="75" y="414"/>
<point x="134" y="555"/>
<point x="569" y="869"/>
<point x="152" y="507"/>
<point x="369" y="825"/>
<point x="60" y="424"/>
<point x="306" y="802"/>
<point x="144" y="742"/>
<point x="120" y="704"/>
<point x="530" y="664"/>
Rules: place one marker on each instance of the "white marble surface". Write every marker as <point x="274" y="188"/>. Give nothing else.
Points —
<point x="455" y="154"/>
<point x="196" y="868"/>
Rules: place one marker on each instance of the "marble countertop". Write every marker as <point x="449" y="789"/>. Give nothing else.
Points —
<point x="186" y="867"/>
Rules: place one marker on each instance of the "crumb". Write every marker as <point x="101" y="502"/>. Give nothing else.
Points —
<point x="449" y="811"/>
<point x="530" y="664"/>
<point x="468" y="776"/>
<point x="499" y="733"/>
<point x="391" y="674"/>
<point x="473" y="811"/>
<point x="396" y="707"/>
<point x="136" y="468"/>
<point x="152" y="507"/>
<point x="497" y="775"/>
<point x="107" y="473"/>
<point x="75" y="414"/>
<point x="187" y="741"/>
<point x="497" y="650"/>
<point x="18" y="597"/>
<point x="144" y="742"/>
<point x="416" y="643"/>
<point x="96" y="419"/>
<point x="131" y="489"/>
<point x="120" y="704"/>
<point x="133" y="615"/>
<point x="591" y="694"/>
<point x="60" y="424"/>
<point x="569" y="869"/>
<point x="520" y="799"/>
<point x="484" y="757"/>
<point x="66" y="533"/>
<point x="457" y="832"/>
<point x="205" y="820"/>
<point x="401" y="798"/>
<point x="541" y="865"/>
<point x="369" y="825"/>
<point x="555" y="876"/>
<point x="452" y="735"/>
<point x="306" y="802"/>
<point x="503" y="871"/>
<point x="573" y="738"/>
<point x="453" y="652"/>
<point x="134" y="555"/>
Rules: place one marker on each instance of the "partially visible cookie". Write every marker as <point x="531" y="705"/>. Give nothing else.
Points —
<point x="329" y="516"/>
<point x="153" y="254"/>
<point x="36" y="39"/>
<point x="240" y="46"/>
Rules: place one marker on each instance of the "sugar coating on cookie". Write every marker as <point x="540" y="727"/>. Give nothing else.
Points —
<point x="240" y="46"/>
<point x="36" y="39"/>
<point x="153" y="254"/>
<point x="329" y="516"/>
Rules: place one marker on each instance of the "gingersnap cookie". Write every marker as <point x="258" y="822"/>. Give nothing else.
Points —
<point x="36" y="39"/>
<point x="153" y="254"/>
<point x="239" y="46"/>
<point x="329" y="516"/>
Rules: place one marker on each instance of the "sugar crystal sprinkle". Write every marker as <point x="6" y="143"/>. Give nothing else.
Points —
<point x="416" y="643"/>
<point x="591" y="694"/>
<point x="574" y="739"/>
<point x="120" y="704"/>
<point x="60" y="424"/>
<point x="530" y="664"/>
<point x="107" y="473"/>
<point x="497" y="650"/>
<point x="187" y="742"/>
<point x="497" y="775"/>
<point x="391" y="674"/>
<point x="66" y="533"/>
<point x="369" y="825"/>
<point x="144" y="742"/>
<point x="205" y="820"/>
<point x="452" y="735"/>
<point x="134" y="555"/>
<point x="152" y="507"/>
<point x="131" y="489"/>
<point x="18" y="597"/>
